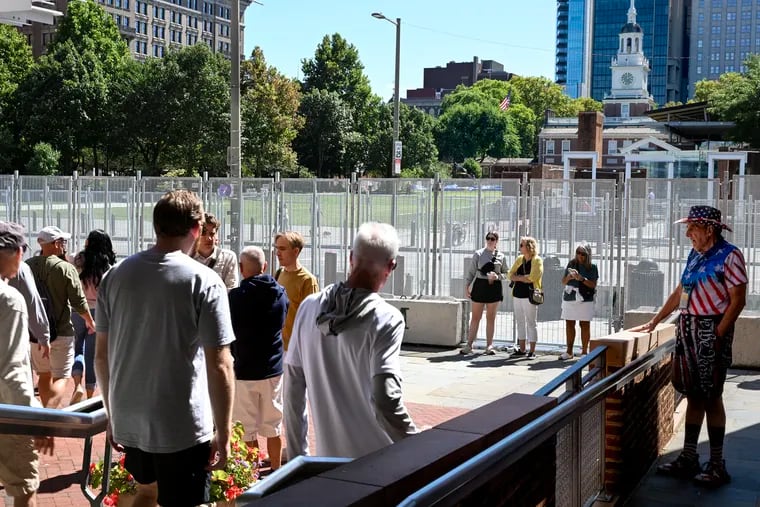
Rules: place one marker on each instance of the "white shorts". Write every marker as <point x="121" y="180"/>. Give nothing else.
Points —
<point x="258" y="405"/>
<point x="61" y="357"/>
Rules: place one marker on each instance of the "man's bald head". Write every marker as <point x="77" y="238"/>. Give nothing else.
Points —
<point x="252" y="261"/>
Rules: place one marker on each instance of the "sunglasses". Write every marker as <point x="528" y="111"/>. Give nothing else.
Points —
<point x="490" y="238"/>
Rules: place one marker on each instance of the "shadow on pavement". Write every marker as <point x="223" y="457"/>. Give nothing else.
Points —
<point x="59" y="482"/>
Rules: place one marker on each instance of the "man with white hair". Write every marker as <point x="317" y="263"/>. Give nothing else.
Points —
<point x="258" y="308"/>
<point x="345" y="352"/>
<point x="66" y="294"/>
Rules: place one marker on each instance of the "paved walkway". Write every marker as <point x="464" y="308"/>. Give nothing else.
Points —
<point x="442" y="384"/>
<point x="740" y="451"/>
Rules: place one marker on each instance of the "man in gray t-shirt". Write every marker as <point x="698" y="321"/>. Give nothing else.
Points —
<point x="163" y="360"/>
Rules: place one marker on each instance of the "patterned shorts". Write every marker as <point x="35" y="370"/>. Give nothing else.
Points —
<point x="701" y="359"/>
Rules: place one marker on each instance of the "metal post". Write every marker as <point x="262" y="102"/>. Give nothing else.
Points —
<point x="396" y="95"/>
<point x="434" y="250"/>
<point x="236" y="209"/>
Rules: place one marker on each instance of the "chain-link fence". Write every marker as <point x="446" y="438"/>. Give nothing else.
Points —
<point x="637" y="248"/>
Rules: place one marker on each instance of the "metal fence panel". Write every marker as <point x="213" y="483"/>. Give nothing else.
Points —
<point x="638" y="249"/>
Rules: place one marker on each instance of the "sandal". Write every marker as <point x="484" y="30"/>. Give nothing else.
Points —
<point x="713" y="475"/>
<point x="681" y="467"/>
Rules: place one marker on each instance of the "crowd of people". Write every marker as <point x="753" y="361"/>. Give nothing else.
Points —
<point x="188" y="337"/>
<point x="484" y="287"/>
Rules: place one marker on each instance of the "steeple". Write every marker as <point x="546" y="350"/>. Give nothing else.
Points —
<point x="632" y="13"/>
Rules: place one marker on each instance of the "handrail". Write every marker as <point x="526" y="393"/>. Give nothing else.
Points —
<point x="81" y="420"/>
<point x="483" y="467"/>
<point x="560" y="380"/>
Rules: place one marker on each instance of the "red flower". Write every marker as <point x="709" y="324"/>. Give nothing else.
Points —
<point x="130" y="478"/>
<point x="230" y="480"/>
<point x="92" y="467"/>
<point x="112" y="499"/>
<point x="121" y="460"/>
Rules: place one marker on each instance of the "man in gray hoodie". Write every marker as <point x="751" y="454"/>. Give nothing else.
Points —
<point x="345" y="352"/>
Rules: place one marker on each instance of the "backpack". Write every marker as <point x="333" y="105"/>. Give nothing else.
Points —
<point x="47" y="304"/>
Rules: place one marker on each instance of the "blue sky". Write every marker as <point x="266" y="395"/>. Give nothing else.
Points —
<point x="519" y="34"/>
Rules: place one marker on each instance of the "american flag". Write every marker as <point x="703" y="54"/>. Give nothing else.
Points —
<point x="505" y="103"/>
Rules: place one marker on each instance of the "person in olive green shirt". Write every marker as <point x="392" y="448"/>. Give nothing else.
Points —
<point x="296" y="279"/>
<point x="66" y="293"/>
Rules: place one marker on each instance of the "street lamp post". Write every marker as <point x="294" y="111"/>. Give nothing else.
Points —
<point x="396" y="148"/>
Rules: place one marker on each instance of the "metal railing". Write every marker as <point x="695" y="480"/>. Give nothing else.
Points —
<point x="81" y="420"/>
<point x="456" y="485"/>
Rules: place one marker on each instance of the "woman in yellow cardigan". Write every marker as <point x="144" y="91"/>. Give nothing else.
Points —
<point x="526" y="274"/>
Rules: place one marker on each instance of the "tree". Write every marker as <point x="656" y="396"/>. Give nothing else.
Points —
<point x="15" y="64"/>
<point x="737" y="97"/>
<point x="524" y="121"/>
<point x="180" y="112"/>
<point x="322" y="143"/>
<point x="44" y="160"/>
<point x="336" y="67"/>
<point x="476" y="130"/>
<point x="66" y="99"/>
<point x="415" y="132"/>
<point x="269" y="109"/>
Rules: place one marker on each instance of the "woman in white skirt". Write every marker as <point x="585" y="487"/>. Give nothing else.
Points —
<point x="579" y="280"/>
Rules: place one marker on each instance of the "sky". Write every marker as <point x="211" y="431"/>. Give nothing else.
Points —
<point x="520" y="34"/>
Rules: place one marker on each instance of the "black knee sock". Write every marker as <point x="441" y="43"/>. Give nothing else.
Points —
<point x="716" y="434"/>
<point x="691" y="437"/>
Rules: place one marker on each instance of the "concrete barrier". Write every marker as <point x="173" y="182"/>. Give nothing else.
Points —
<point x="746" y="352"/>
<point x="429" y="321"/>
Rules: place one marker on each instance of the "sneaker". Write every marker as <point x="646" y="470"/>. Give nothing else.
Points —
<point x="681" y="467"/>
<point x="490" y="351"/>
<point x="713" y="475"/>
<point x="518" y="353"/>
<point x="465" y="350"/>
<point x="531" y="355"/>
<point x="507" y="348"/>
<point x="565" y="356"/>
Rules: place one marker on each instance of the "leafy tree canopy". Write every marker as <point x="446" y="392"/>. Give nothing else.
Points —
<point x="736" y="97"/>
<point x="269" y="109"/>
<point x="322" y="142"/>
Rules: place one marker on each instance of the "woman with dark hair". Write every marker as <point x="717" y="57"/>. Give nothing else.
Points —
<point x="92" y="263"/>
<point x="579" y="280"/>
<point x="483" y="286"/>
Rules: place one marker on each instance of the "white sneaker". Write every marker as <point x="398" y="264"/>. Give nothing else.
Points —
<point x="465" y="350"/>
<point x="490" y="350"/>
<point x="565" y="356"/>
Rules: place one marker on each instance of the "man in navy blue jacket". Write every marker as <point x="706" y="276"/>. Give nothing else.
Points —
<point x="258" y="308"/>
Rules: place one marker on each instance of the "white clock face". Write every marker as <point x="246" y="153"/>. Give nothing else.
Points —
<point x="627" y="79"/>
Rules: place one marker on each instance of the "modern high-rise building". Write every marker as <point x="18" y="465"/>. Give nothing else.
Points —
<point x="590" y="37"/>
<point x="723" y="33"/>
<point x="152" y="27"/>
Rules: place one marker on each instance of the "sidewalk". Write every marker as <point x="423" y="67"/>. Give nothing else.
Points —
<point x="438" y="385"/>
<point x="740" y="450"/>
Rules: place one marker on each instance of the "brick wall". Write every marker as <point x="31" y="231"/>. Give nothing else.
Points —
<point x="638" y="423"/>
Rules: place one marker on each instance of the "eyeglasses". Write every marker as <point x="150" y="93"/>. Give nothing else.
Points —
<point x="490" y="238"/>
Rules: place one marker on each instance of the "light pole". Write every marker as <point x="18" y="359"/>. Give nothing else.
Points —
<point x="396" y="148"/>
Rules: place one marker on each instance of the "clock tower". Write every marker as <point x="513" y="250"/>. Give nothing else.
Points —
<point x="630" y="71"/>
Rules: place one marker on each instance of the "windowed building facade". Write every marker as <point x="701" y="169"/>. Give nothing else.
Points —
<point x="153" y="27"/>
<point x="723" y="34"/>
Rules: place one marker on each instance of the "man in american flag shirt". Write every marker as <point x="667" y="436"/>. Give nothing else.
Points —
<point x="710" y="297"/>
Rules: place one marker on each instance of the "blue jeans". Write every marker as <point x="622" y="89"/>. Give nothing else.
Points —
<point x="84" y="350"/>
